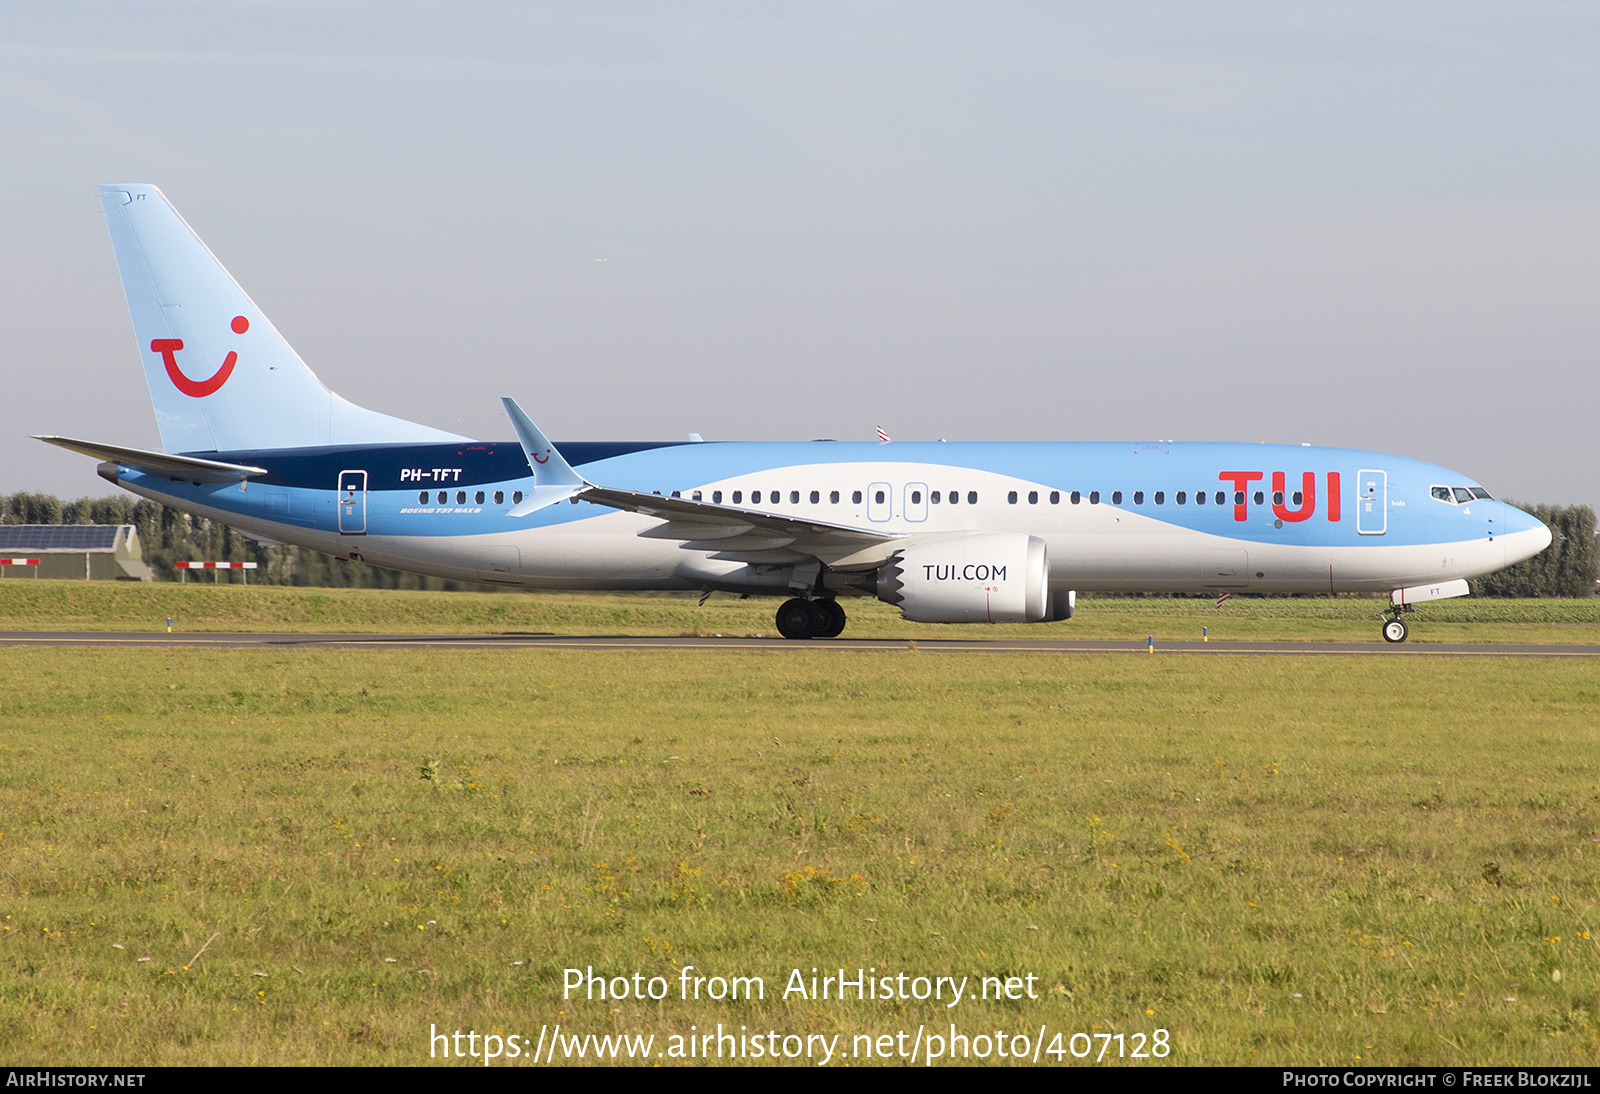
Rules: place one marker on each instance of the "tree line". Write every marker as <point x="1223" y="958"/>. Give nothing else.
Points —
<point x="167" y="536"/>
<point x="1570" y="566"/>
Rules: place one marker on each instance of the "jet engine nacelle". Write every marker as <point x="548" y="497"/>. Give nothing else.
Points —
<point x="982" y="577"/>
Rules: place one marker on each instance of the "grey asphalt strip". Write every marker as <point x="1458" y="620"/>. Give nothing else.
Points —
<point x="624" y="642"/>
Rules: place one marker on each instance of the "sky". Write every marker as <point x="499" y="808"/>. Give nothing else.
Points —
<point x="1368" y="225"/>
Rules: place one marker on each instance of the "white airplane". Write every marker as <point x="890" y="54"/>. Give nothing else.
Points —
<point x="948" y="532"/>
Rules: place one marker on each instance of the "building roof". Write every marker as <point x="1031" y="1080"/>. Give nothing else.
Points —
<point x="60" y="537"/>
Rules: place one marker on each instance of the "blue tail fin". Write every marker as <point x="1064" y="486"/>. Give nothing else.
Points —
<point x="221" y="377"/>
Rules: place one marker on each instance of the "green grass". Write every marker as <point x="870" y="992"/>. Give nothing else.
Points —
<point x="1280" y="860"/>
<point x="78" y="605"/>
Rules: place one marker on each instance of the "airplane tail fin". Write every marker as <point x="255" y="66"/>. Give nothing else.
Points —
<point x="220" y="375"/>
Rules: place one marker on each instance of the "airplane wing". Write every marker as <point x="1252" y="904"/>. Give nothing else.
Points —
<point x="747" y="534"/>
<point x="743" y="535"/>
<point x="190" y="468"/>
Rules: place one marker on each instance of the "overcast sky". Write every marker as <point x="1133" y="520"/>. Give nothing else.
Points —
<point x="1369" y="225"/>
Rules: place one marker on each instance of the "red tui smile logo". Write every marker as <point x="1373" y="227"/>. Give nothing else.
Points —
<point x="197" y="389"/>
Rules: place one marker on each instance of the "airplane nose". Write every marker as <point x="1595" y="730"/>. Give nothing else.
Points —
<point x="1523" y="534"/>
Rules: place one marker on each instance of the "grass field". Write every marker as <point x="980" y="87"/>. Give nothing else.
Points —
<point x="1279" y="860"/>
<point x="200" y="606"/>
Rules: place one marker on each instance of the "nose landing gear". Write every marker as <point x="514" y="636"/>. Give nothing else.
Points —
<point x="1394" y="628"/>
<point x="821" y="618"/>
<point x="1405" y="600"/>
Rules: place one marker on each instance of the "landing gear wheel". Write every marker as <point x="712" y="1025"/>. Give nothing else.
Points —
<point x="1394" y="630"/>
<point x="832" y="616"/>
<point x="800" y="619"/>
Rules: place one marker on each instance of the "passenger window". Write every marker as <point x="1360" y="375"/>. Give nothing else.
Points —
<point x="794" y="497"/>
<point x="461" y="497"/>
<point x="422" y="498"/>
<point x="499" y="497"/>
<point x="1116" y="497"/>
<point x="1238" y="497"/>
<point x="1199" y="497"/>
<point x="1033" y="497"/>
<point x="815" y="497"/>
<point x="1161" y="497"/>
<point x="934" y="497"/>
<point x="1011" y="498"/>
<point x="737" y="496"/>
<point x="1094" y="497"/>
<point x="695" y="496"/>
<point x="1138" y="497"/>
<point x="1055" y="497"/>
<point x="972" y="497"/>
<point x="716" y="497"/>
<point x="833" y="497"/>
<point x="878" y="497"/>
<point x="855" y="497"/>
<point x="443" y="497"/>
<point x="1181" y="498"/>
<point x="1297" y="499"/>
<point x="1258" y="497"/>
<point x="1222" y="498"/>
<point x="516" y="498"/>
<point x="1277" y="497"/>
<point x="1074" y="497"/>
<point x="1463" y="495"/>
<point x="477" y="499"/>
<point x="916" y="497"/>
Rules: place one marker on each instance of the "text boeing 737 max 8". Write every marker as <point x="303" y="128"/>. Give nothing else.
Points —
<point x="949" y="532"/>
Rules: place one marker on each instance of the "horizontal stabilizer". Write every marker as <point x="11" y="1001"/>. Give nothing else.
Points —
<point x="159" y="463"/>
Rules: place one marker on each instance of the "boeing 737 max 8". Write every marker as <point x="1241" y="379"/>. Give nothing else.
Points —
<point x="948" y="532"/>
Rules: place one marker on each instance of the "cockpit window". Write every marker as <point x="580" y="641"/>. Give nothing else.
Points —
<point x="1460" y="495"/>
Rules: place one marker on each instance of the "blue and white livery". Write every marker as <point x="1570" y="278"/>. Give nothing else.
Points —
<point x="948" y="532"/>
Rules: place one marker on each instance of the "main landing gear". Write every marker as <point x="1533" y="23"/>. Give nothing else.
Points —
<point x="1394" y="628"/>
<point x="822" y="618"/>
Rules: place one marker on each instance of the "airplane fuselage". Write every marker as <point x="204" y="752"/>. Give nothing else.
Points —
<point x="1115" y="517"/>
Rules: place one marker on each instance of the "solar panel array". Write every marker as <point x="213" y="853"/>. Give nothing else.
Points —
<point x="59" y="537"/>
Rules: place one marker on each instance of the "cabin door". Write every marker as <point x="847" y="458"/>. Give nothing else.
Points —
<point x="352" y="503"/>
<point x="1372" y="503"/>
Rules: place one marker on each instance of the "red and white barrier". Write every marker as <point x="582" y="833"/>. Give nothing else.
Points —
<point x="19" y="562"/>
<point x="216" y="566"/>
